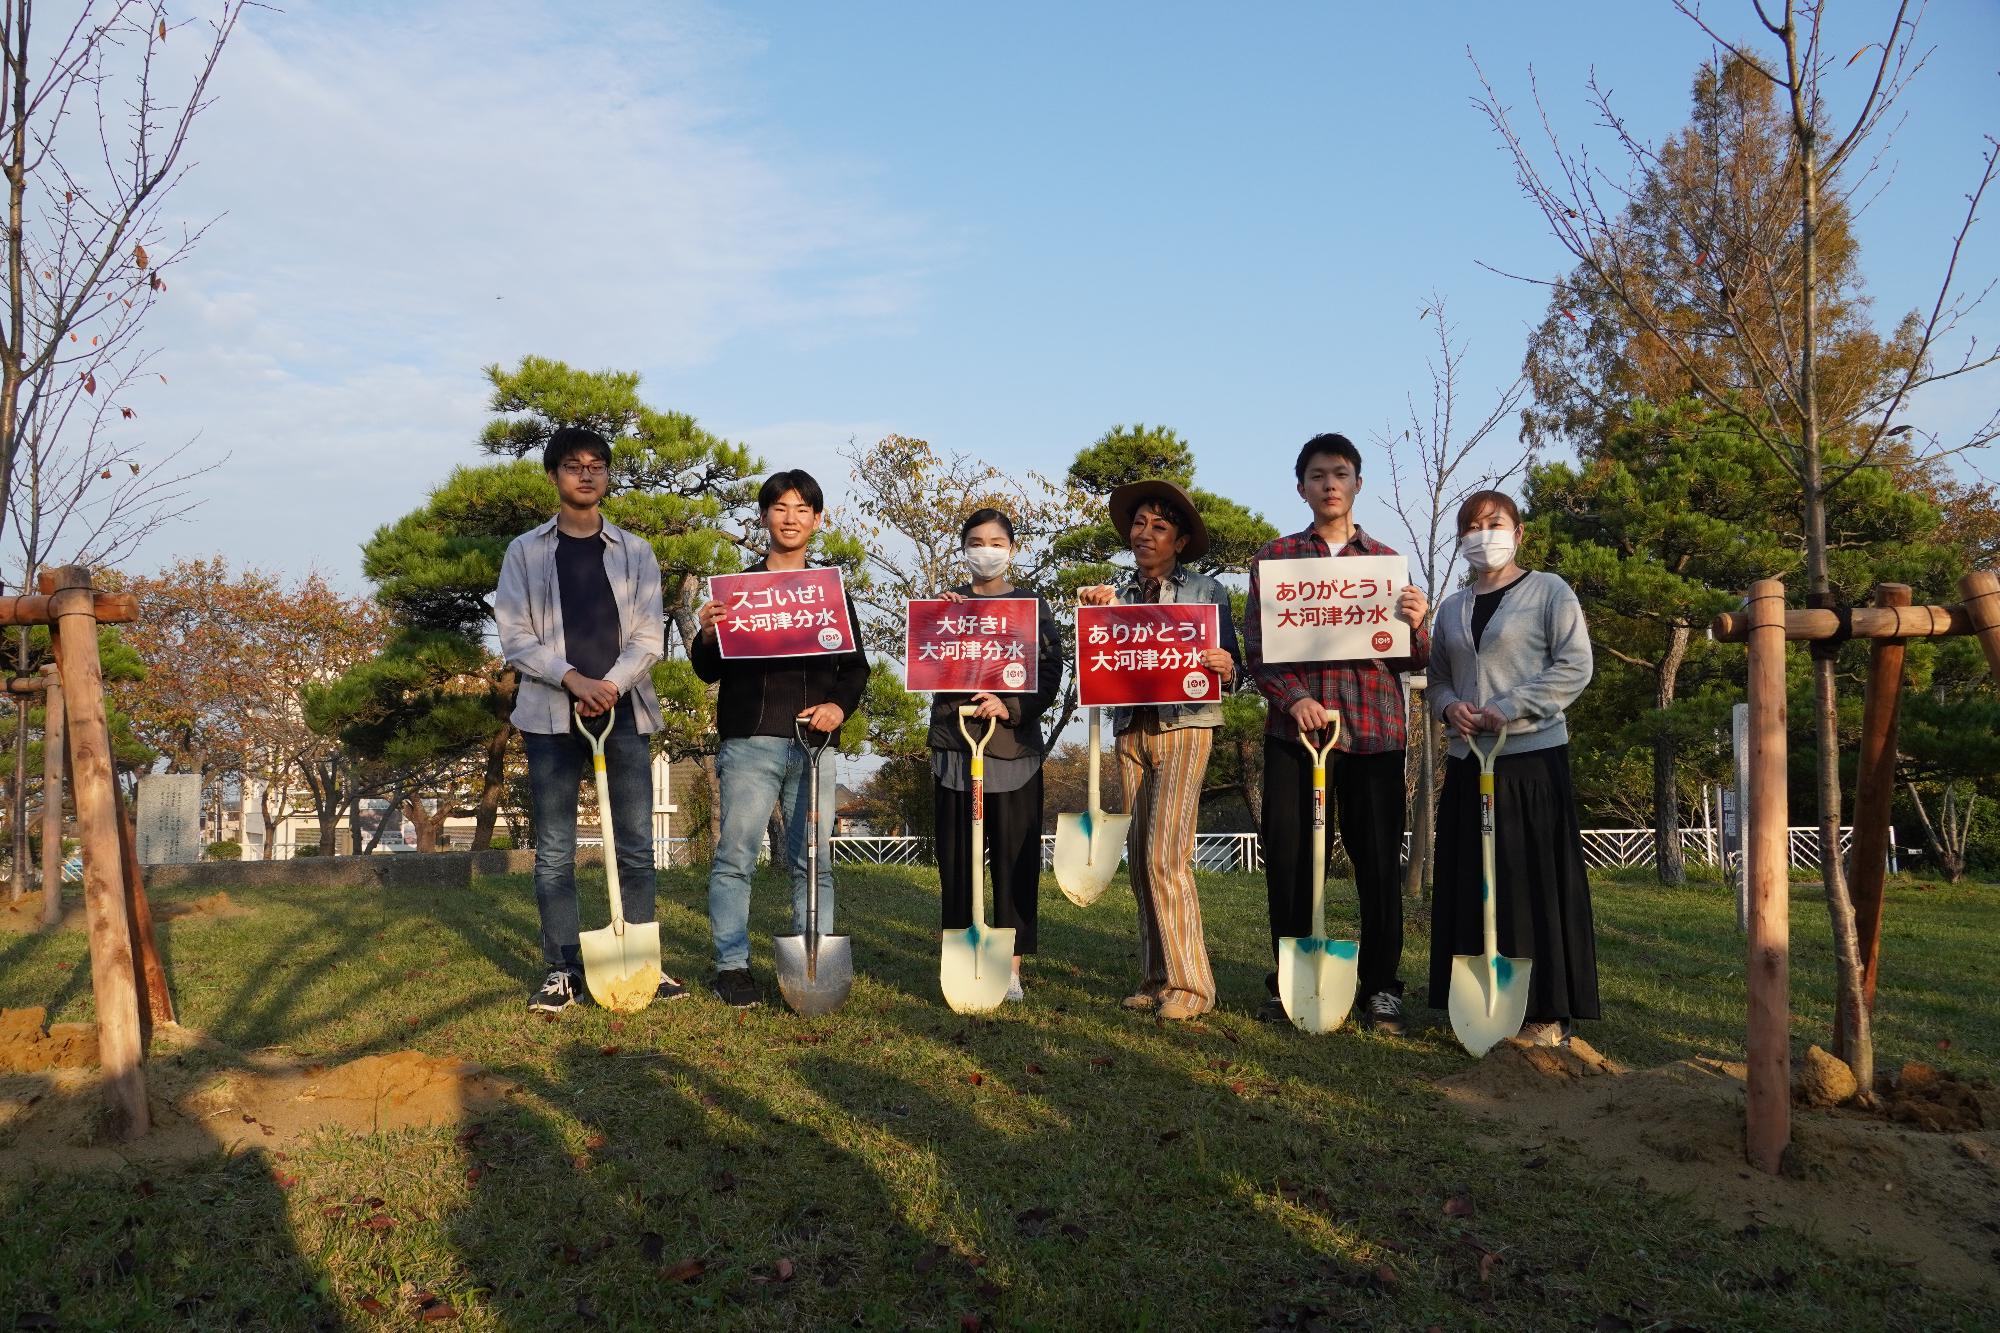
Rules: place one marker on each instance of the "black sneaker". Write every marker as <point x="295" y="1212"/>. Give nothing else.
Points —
<point x="670" y="988"/>
<point x="1272" y="1010"/>
<point x="557" y="993"/>
<point x="736" y="988"/>
<point x="1385" y="1013"/>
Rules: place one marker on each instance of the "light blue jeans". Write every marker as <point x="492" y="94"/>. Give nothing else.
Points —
<point x="753" y="771"/>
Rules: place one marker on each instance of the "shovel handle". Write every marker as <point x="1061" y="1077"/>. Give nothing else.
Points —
<point x="1489" y="912"/>
<point x="597" y="739"/>
<point x="1320" y="754"/>
<point x="813" y="753"/>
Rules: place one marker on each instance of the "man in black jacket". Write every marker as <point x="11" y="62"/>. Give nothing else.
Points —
<point x="760" y="758"/>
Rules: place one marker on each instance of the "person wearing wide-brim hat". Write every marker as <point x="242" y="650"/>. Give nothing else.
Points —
<point x="1163" y="749"/>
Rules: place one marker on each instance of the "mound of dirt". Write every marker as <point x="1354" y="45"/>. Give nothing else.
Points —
<point x="1822" y="1079"/>
<point x="214" y="907"/>
<point x="28" y="1044"/>
<point x="1942" y="1103"/>
<point x="1853" y="1181"/>
<point x="51" y="1120"/>
<point x="25" y="916"/>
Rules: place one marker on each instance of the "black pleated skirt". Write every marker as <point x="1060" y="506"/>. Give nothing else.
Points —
<point x="1543" y="895"/>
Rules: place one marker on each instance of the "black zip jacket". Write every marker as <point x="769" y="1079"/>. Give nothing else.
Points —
<point x="763" y="696"/>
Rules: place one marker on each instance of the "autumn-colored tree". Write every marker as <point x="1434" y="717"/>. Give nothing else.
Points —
<point x="1725" y="261"/>
<point x="228" y="655"/>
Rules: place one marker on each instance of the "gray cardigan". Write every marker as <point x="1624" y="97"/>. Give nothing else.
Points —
<point x="1533" y="662"/>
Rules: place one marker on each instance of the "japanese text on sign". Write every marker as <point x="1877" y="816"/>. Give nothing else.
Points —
<point x="782" y="613"/>
<point x="1332" y="608"/>
<point x="1150" y="654"/>
<point x="986" y="645"/>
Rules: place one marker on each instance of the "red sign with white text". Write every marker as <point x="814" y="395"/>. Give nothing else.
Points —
<point x="987" y="643"/>
<point x="1151" y="654"/>
<point x="782" y="613"/>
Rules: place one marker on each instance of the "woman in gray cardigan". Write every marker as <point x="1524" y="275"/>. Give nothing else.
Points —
<point x="1511" y="653"/>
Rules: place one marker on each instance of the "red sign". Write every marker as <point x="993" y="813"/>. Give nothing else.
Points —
<point x="782" y="613"/>
<point x="1146" y="654"/>
<point x="987" y="643"/>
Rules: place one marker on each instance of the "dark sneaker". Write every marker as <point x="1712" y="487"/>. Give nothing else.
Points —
<point x="736" y="988"/>
<point x="1545" y="1034"/>
<point x="557" y="993"/>
<point x="670" y="988"/>
<point x="1272" y="1010"/>
<point x="1385" y="1013"/>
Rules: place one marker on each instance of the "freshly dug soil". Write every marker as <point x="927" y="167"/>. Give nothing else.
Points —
<point x="25" y="917"/>
<point x="51" y="1120"/>
<point x="1857" y="1182"/>
<point x="28" y="1044"/>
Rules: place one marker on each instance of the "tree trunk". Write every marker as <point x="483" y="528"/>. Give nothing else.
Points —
<point x="1423" y="811"/>
<point x="429" y="824"/>
<point x="22" y="873"/>
<point x="1670" y="864"/>
<point x="1253" y="779"/>
<point x="492" y="788"/>
<point x="1859" y="1048"/>
<point x="709" y="775"/>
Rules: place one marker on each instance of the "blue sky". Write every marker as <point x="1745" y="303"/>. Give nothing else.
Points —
<point x="1002" y="228"/>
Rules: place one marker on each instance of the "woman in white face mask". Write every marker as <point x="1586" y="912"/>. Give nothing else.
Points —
<point x="1510" y="653"/>
<point x="1013" y="759"/>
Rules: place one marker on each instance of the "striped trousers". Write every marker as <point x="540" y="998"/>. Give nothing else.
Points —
<point x="1162" y="773"/>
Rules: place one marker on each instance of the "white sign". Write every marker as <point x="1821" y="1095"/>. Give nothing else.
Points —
<point x="1334" y="608"/>
<point x="169" y="819"/>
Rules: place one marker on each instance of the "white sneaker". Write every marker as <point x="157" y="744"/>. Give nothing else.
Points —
<point x="1014" y="991"/>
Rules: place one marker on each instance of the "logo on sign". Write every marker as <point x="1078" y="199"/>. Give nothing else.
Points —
<point x="829" y="637"/>
<point x="1194" y="684"/>
<point x="1381" y="641"/>
<point x="1014" y="675"/>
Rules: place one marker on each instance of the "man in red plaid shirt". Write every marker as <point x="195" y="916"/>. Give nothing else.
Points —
<point x="1367" y="772"/>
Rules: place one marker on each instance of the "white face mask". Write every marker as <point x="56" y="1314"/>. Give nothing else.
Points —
<point x="1488" y="548"/>
<point x="987" y="562"/>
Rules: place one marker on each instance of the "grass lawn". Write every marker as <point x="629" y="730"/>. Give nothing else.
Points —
<point x="1064" y="1165"/>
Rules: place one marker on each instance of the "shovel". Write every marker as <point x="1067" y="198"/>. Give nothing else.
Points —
<point x="1317" y="976"/>
<point x="1489" y="994"/>
<point x="815" y="971"/>
<point x="1089" y="845"/>
<point x="621" y="963"/>
<point x="978" y="962"/>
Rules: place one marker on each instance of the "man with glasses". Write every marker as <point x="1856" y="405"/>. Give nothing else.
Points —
<point x="581" y="622"/>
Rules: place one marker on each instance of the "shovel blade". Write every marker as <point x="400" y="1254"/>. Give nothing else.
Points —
<point x="1317" y="979"/>
<point x="975" y="967"/>
<point x="1088" y="849"/>
<point x="622" y="971"/>
<point x="1488" y="1003"/>
<point x="813" y="984"/>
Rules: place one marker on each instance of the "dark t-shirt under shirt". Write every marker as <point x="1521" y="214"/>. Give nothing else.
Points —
<point x="1483" y="606"/>
<point x="591" y="635"/>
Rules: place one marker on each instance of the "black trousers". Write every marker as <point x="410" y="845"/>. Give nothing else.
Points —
<point x="1013" y="857"/>
<point x="1366" y="793"/>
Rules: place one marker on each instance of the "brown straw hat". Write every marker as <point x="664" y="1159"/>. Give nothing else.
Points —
<point x="1127" y="498"/>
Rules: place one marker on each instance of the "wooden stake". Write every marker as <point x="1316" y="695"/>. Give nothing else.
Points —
<point x="52" y="800"/>
<point x="1874" y="788"/>
<point x="119" y="1044"/>
<point x="1981" y="591"/>
<point x="157" y="1004"/>
<point x="1867" y="622"/>
<point x="1768" y="1109"/>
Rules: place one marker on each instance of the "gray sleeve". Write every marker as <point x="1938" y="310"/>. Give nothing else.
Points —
<point x="1566" y="666"/>
<point x="520" y="647"/>
<point x="1440" y="693"/>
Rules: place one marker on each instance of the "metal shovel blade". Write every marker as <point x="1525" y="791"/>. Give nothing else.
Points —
<point x="622" y="971"/>
<point x="975" y="967"/>
<point x="1089" y="845"/>
<point x="813" y="982"/>
<point x="1317" y="979"/>
<point x="1489" y="999"/>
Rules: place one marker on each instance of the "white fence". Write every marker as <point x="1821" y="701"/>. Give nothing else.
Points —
<point x="1602" y="848"/>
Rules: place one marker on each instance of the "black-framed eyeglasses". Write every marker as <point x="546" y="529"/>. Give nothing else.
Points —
<point x="586" y="469"/>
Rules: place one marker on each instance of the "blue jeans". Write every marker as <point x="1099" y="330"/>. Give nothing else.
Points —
<point x="753" y="771"/>
<point x="556" y="765"/>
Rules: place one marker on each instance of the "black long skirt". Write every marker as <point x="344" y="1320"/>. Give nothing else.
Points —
<point x="1542" y="898"/>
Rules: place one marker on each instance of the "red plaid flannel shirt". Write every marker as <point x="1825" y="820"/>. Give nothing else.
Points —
<point x="1369" y="695"/>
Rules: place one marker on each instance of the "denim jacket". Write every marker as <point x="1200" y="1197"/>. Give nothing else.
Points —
<point x="1184" y="585"/>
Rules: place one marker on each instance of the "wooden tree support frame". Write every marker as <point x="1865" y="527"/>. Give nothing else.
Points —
<point x="122" y="944"/>
<point x="1767" y="626"/>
